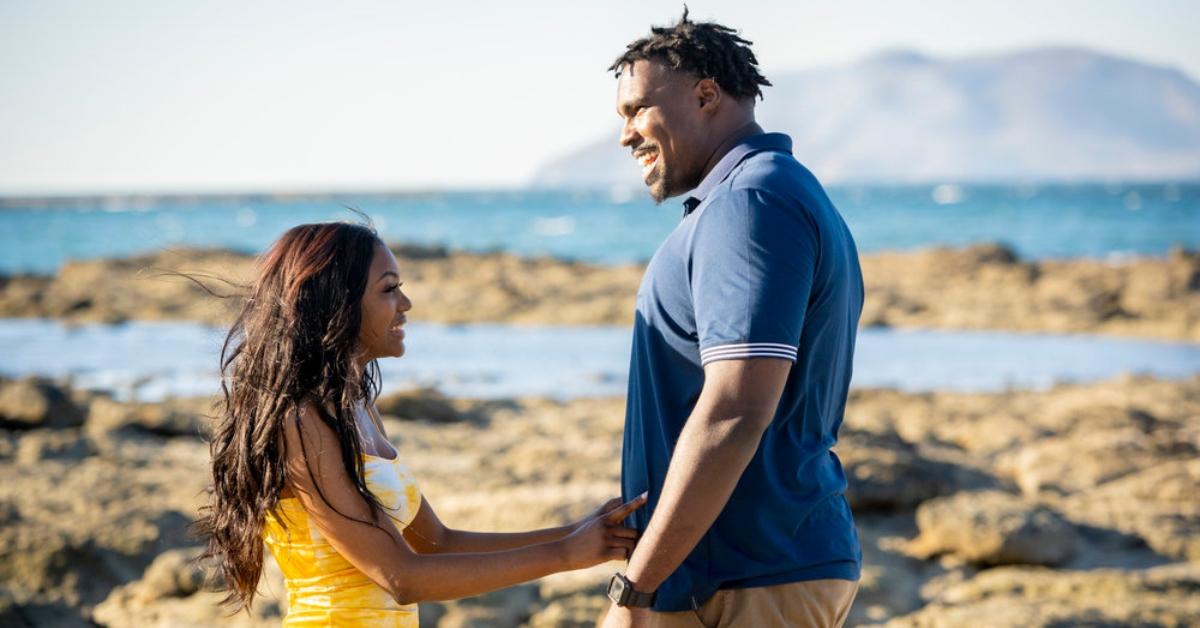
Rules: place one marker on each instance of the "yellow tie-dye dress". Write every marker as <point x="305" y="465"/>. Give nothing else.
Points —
<point x="324" y="589"/>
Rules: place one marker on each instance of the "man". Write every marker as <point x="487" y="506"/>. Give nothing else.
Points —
<point x="742" y="350"/>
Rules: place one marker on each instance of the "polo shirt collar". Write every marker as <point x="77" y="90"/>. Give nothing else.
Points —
<point x="750" y="145"/>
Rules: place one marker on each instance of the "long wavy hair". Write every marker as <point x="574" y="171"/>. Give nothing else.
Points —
<point x="294" y="340"/>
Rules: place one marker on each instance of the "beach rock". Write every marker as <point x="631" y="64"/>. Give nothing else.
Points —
<point x="982" y="286"/>
<point x="174" y="573"/>
<point x="39" y="445"/>
<point x="8" y="443"/>
<point x="992" y="528"/>
<point x="92" y="540"/>
<point x="9" y="513"/>
<point x="138" y="431"/>
<point x="890" y="583"/>
<point x="1080" y="460"/>
<point x="36" y="402"/>
<point x="574" y="598"/>
<point x="1159" y="505"/>
<point x="169" y="418"/>
<point x="10" y="612"/>
<point x="76" y="528"/>
<point x="1020" y="597"/>
<point x="422" y="405"/>
<point x="171" y="593"/>
<point x="507" y="607"/>
<point x="885" y="473"/>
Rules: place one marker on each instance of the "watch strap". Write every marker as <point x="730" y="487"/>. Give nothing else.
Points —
<point x="637" y="599"/>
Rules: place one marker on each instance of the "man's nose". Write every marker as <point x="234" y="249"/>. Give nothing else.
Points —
<point x="629" y="137"/>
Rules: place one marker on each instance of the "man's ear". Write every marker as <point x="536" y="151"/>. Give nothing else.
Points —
<point x="708" y="94"/>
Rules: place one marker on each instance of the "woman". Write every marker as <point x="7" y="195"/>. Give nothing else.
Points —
<point x="300" y="459"/>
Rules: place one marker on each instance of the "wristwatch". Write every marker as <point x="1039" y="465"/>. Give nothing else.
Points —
<point x="620" y="591"/>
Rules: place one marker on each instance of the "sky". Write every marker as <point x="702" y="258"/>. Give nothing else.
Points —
<point x="220" y="96"/>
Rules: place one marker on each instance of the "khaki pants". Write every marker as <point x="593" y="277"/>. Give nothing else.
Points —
<point x="815" y="603"/>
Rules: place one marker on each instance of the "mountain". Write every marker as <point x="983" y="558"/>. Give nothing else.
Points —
<point x="1040" y="114"/>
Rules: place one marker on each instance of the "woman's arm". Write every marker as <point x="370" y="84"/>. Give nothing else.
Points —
<point x="370" y="542"/>
<point x="428" y="535"/>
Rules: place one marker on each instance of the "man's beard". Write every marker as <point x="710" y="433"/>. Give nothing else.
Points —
<point x="659" y="183"/>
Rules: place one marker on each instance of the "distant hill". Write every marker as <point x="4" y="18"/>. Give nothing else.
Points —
<point x="1041" y="114"/>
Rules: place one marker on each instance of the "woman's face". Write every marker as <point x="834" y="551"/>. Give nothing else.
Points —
<point x="383" y="308"/>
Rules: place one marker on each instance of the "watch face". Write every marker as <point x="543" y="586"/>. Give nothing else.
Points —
<point x="616" y="589"/>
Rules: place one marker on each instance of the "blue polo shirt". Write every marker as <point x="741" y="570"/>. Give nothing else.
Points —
<point x="761" y="266"/>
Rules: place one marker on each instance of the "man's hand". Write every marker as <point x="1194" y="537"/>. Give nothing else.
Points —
<point x="626" y="617"/>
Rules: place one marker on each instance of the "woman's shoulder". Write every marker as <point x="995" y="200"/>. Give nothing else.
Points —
<point x="305" y="430"/>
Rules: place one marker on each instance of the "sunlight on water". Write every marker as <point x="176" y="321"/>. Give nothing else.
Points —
<point x="148" y="361"/>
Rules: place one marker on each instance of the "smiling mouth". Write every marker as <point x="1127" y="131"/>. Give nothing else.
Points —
<point x="647" y="160"/>
<point x="398" y="328"/>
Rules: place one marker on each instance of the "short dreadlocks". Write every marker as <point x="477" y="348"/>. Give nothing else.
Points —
<point x="705" y="49"/>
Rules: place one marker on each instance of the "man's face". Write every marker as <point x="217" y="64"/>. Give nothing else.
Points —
<point x="663" y="127"/>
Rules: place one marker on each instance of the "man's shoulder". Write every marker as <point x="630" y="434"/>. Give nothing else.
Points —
<point x="774" y="172"/>
<point x="768" y="179"/>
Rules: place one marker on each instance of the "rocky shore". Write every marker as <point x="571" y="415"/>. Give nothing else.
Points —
<point x="1076" y="505"/>
<point x="980" y="287"/>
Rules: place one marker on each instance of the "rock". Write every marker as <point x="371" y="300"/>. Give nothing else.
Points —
<point x="9" y="513"/>
<point x="10" y="612"/>
<point x="506" y="607"/>
<point x="1159" y="504"/>
<point x="137" y="431"/>
<point x="891" y="581"/>
<point x="35" y="402"/>
<point x="1079" y="460"/>
<point x="200" y="610"/>
<point x="188" y="417"/>
<point x="983" y="286"/>
<point x="170" y="594"/>
<point x="885" y="473"/>
<point x="102" y="539"/>
<point x="1024" y="597"/>
<point x="422" y="405"/>
<point x="39" y="445"/>
<point x="576" y="611"/>
<point x="8" y="444"/>
<point x="174" y="573"/>
<point x="573" y="598"/>
<point x="992" y="528"/>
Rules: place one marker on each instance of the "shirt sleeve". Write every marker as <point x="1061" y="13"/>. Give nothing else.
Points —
<point x="753" y="259"/>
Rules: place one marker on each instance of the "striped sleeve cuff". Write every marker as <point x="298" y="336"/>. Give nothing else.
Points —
<point x="748" y="350"/>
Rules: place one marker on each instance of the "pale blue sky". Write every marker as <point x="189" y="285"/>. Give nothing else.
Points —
<point x="126" y="96"/>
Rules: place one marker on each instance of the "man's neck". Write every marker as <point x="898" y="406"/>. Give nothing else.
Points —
<point x="726" y="145"/>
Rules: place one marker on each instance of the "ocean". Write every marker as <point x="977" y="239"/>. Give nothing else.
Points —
<point x="607" y="227"/>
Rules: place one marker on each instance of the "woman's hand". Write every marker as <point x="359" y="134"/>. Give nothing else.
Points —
<point x="600" y="537"/>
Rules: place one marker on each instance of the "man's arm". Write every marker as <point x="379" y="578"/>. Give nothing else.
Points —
<point x="720" y="438"/>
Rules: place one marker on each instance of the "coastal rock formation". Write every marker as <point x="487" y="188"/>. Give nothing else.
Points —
<point x="978" y="287"/>
<point x="172" y="593"/>
<point x="992" y="528"/>
<point x="886" y="473"/>
<point x="1021" y="597"/>
<point x="987" y="287"/>
<point x="94" y="518"/>
<point x="34" y="402"/>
